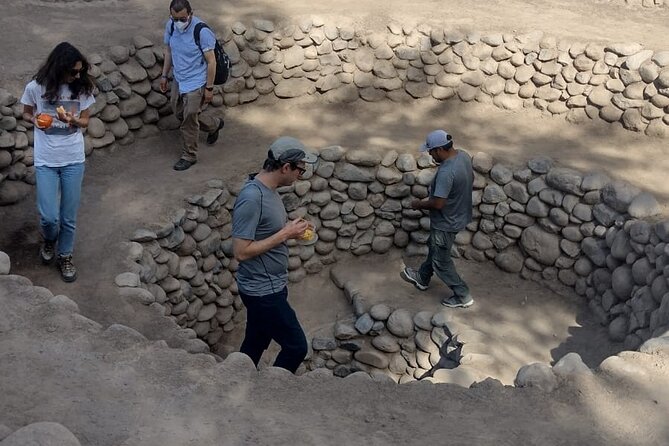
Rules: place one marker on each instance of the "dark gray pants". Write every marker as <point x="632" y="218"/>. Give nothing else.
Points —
<point x="439" y="261"/>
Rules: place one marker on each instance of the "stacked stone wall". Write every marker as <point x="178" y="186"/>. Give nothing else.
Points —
<point x="541" y="221"/>
<point x="638" y="3"/>
<point x="619" y="83"/>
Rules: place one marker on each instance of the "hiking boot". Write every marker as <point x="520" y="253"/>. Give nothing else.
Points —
<point x="213" y="136"/>
<point x="458" y="302"/>
<point x="411" y="275"/>
<point x="183" y="164"/>
<point x="47" y="252"/>
<point x="68" y="272"/>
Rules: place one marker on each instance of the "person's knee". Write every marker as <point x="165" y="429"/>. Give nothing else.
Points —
<point x="50" y="219"/>
<point x="442" y="263"/>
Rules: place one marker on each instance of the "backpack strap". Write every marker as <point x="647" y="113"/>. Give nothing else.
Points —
<point x="196" y="37"/>
<point x="171" y="28"/>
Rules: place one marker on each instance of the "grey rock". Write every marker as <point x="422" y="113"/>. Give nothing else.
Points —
<point x="634" y="61"/>
<point x="482" y="162"/>
<point x="583" y="212"/>
<point x="517" y="191"/>
<point x="373" y="358"/>
<point x="536" y="185"/>
<point x="501" y="174"/>
<point x="352" y="173"/>
<point x="644" y="205"/>
<point x="618" y="195"/>
<point x="294" y="87"/>
<point x="537" y="208"/>
<point x="406" y="163"/>
<point x="618" y="328"/>
<point x="493" y="193"/>
<point x="363" y="158"/>
<point x="380" y="312"/>
<point x="622" y="282"/>
<point x="566" y="180"/>
<point x="640" y="231"/>
<point x="400" y="323"/>
<point x="511" y="260"/>
<point x="540" y="164"/>
<point x="540" y="245"/>
<point x="319" y="344"/>
<point x="364" y="323"/>
<point x="536" y="375"/>
<point x="386" y="343"/>
<point x="605" y="215"/>
<point x="5" y="263"/>
<point x="570" y="365"/>
<point x="41" y="434"/>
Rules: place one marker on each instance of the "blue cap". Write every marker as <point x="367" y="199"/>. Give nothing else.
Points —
<point x="437" y="138"/>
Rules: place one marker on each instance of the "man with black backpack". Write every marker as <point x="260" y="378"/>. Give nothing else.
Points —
<point x="191" y="50"/>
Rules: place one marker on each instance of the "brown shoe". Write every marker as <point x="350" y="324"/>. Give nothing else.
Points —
<point x="68" y="272"/>
<point x="183" y="164"/>
<point x="47" y="252"/>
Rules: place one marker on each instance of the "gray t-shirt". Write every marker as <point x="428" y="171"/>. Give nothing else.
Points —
<point x="259" y="213"/>
<point x="453" y="181"/>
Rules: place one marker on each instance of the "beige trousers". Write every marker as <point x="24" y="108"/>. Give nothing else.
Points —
<point x="187" y="108"/>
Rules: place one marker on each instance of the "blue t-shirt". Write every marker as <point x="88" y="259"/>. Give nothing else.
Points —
<point x="258" y="214"/>
<point x="189" y="66"/>
<point x="453" y="181"/>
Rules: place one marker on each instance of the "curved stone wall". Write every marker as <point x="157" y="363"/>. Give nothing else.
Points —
<point x="542" y="221"/>
<point x="638" y="3"/>
<point x="622" y="83"/>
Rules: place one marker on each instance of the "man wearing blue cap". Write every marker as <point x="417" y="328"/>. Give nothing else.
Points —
<point x="450" y="206"/>
<point x="260" y="229"/>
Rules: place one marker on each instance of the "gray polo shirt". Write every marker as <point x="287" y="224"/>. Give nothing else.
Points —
<point x="453" y="181"/>
<point x="259" y="213"/>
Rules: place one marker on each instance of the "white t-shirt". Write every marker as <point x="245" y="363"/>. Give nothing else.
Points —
<point x="60" y="144"/>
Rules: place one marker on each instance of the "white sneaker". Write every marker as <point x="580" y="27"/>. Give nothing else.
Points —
<point x="411" y="275"/>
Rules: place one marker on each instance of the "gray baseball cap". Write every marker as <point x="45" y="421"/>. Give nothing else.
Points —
<point x="290" y="150"/>
<point x="437" y="138"/>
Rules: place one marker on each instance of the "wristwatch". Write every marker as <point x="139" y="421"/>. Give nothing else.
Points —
<point x="209" y="88"/>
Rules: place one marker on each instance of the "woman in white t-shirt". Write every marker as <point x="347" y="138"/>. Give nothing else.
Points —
<point x="62" y="90"/>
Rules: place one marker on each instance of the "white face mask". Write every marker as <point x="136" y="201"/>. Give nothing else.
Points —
<point x="181" y="26"/>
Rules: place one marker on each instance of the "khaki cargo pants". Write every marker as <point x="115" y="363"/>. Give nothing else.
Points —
<point x="187" y="108"/>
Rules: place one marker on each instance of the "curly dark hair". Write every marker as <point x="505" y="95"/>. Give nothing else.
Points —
<point x="54" y="72"/>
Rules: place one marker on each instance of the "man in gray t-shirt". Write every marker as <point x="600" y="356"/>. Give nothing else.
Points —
<point x="260" y="229"/>
<point x="450" y="207"/>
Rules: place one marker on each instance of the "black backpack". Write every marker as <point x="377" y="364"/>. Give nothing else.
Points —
<point x="223" y="63"/>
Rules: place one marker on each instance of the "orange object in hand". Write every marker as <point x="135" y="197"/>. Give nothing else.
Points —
<point x="307" y="235"/>
<point x="44" y="120"/>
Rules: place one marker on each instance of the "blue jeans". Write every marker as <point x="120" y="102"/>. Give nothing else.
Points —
<point x="439" y="261"/>
<point x="58" y="194"/>
<point x="271" y="317"/>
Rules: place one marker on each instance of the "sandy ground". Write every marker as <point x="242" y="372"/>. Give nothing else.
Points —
<point x="143" y="171"/>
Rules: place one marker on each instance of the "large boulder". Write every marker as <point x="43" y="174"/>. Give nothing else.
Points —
<point x="542" y="246"/>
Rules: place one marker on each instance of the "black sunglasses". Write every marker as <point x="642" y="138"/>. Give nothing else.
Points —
<point x="296" y="167"/>
<point x="180" y="19"/>
<point x="74" y="71"/>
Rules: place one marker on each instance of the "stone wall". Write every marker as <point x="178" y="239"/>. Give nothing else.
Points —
<point x="544" y="222"/>
<point x="638" y="3"/>
<point x="622" y="83"/>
